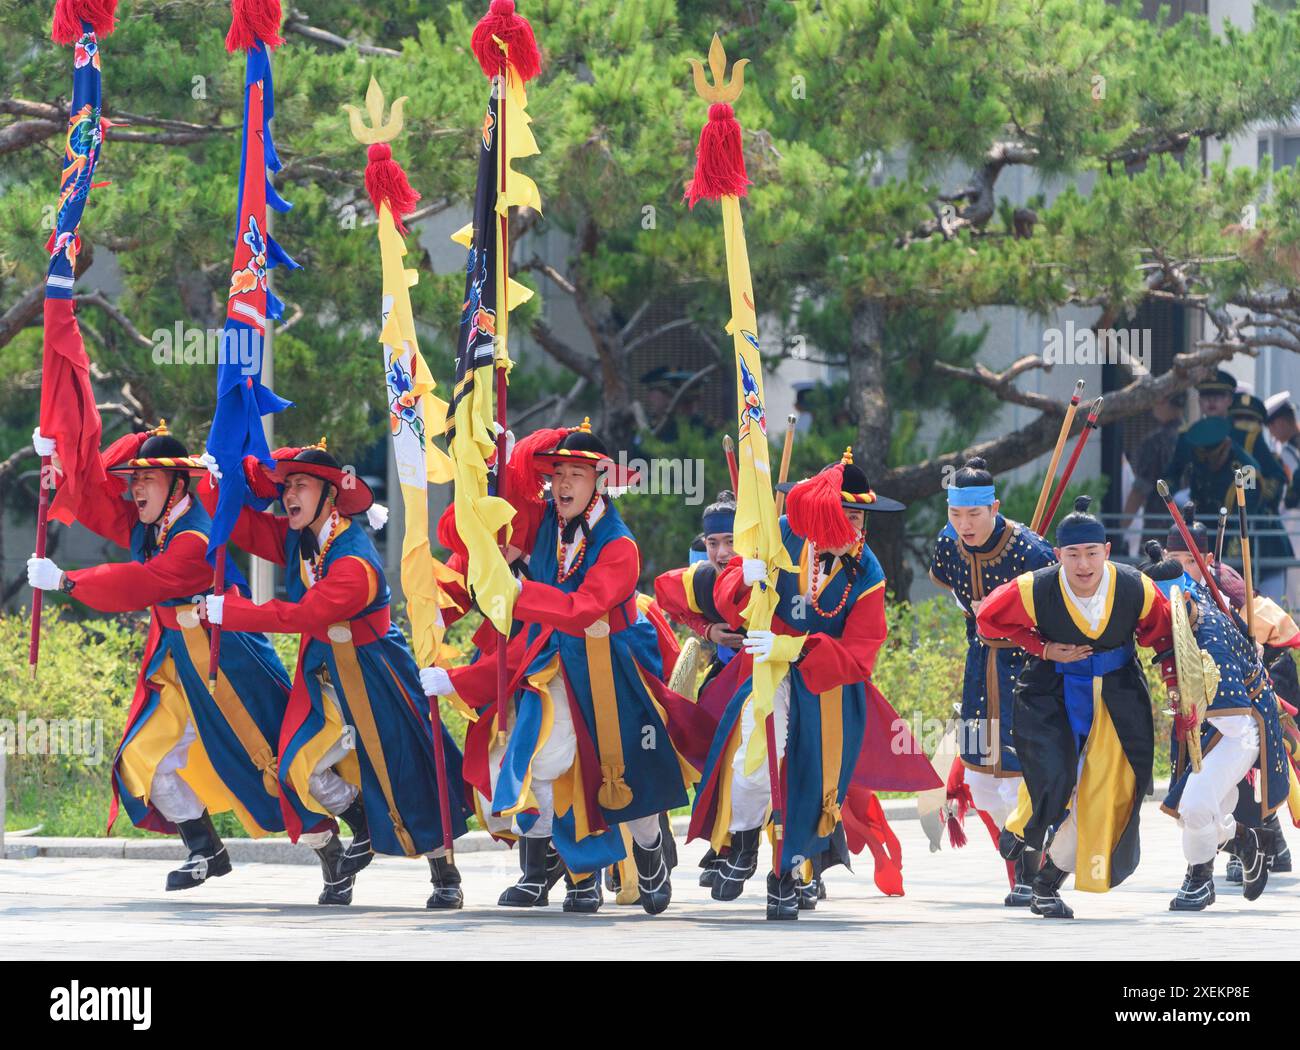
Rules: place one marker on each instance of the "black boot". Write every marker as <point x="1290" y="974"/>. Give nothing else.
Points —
<point x="1279" y="858"/>
<point x="359" y="852"/>
<point x="613" y="880"/>
<point x="669" y="843"/>
<point x="338" y="888"/>
<point x="709" y="867"/>
<point x="1197" y="892"/>
<point x="652" y="878"/>
<point x="1010" y="845"/>
<point x="782" y="896"/>
<point x="1046" y="898"/>
<point x="554" y="871"/>
<point x="1250" y="846"/>
<point x="446" y="895"/>
<point x="1233" y="876"/>
<point x="1022" y="892"/>
<point x="530" y="890"/>
<point x="208" y="857"/>
<point x="736" y="866"/>
<point x="583" y="897"/>
<point x="812" y="891"/>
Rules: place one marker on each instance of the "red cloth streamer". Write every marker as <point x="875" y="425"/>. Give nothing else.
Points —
<point x="251" y="21"/>
<point x="513" y="30"/>
<point x="69" y="14"/>
<point x="865" y="825"/>
<point x="815" y="509"/>
<point x="68" y="413"/>
<point x="386" y="183"/>
<point x="719" y="159"/>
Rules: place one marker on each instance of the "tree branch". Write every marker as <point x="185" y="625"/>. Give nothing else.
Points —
<point x="1001" y="383"/>
<point x="577" y="363"/>
<point x="123" y="322"/>
<point x="297" y="23"/>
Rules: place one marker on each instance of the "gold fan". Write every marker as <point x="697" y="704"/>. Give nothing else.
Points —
<point x="1198" y="674"/>
<point x="686" y="671"/>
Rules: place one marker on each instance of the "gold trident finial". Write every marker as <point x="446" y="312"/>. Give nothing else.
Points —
<point x="161" y="428"/>
<point x="377" y="130"/>
<point x="847" y="458"/>
<point x="722" y="89"/>
<point x="585" y="425"/>
<point x="319" y="444"/>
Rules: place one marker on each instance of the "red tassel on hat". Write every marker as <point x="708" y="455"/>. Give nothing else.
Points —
<point x="69" y="14"/>
<point x="719" y="159"/>
<point x="815" y="509"/>
<point x="386" y="183"/>
<point x="523" y="480"/>
<point x="251" y="21"/>
<point x="514" y="31"/>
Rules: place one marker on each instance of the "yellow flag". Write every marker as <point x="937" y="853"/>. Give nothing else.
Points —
<point x="483" y="344"/>
<point x="757" y="529"/>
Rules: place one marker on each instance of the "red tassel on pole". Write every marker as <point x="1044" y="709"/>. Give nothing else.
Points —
<point x="70" y="14"/>
<point x="719" y="159"/>
<point x="387" y="183"/>
<point x="511" y="29"/>
<point x="251" y="21"/>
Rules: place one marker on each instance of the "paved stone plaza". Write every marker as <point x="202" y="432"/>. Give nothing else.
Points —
<point x="64" y="907"/>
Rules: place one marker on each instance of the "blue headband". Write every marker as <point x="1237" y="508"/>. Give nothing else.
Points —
<point x="971" y="496"/>
<point x="1083" y="529"/>
<point x="1184" y="581"/>
<point x="719" y="521"/>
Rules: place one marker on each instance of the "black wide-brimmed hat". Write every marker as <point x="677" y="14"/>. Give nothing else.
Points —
<point x="352" y="494"/>
<point x="160" y="451"/>
<point x="1247" y="407"/>
<point x="580" y="445"/>
<point x="855" y="490"/>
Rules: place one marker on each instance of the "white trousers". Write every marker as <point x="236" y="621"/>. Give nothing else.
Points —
<point x="752" y="795"/>
<point x="174" y="798"/>
<point x="1205" y="809"/>
<point x="554" y="758"/>
<point x="328" y="788"/>
<point x="996" y="796"/>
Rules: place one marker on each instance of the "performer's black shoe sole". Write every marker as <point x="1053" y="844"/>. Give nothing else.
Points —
<point x="1051" y="908"/>
<point x="351" y="863"/>
<point x="1020" y="897"/>
<point x="184" y="877"/>
<point x="517" y="897"/>
<point x="338" y="899"/>
<point x="707" y="877"/>
<point x="450" y="899"/>
<point x="1193" y="903"/>
<point x="782" y="898"/>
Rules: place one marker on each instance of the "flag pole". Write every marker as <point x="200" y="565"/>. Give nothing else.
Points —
<point x="1066" y="424"/>
<point x="502" y="362"/>
<point x="1239" y="483"/>
<point x="42" y="530"/>
<point x="729" y="447"/>
<point x="1088" y="427"/>
<point x="65" y="370"/>
<point x="786" y="451"/>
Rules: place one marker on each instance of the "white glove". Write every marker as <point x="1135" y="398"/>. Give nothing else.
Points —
<point x="377" y="516"/>
<point x="759" y="643"/>
<point x="510" y="439"/>
<point x="210" y="461"/>
<point x="435" y="681"/>
<point x="44" y="446"/>
<point x="212" y="608"/>
<point x="754" y="570"/>
<point x="43" y="574"/>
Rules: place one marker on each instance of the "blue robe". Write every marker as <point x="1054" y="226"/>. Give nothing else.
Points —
<point x="220" y="768"/>
<point x="987" y="698"/>
<point x="382" y="678"/>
